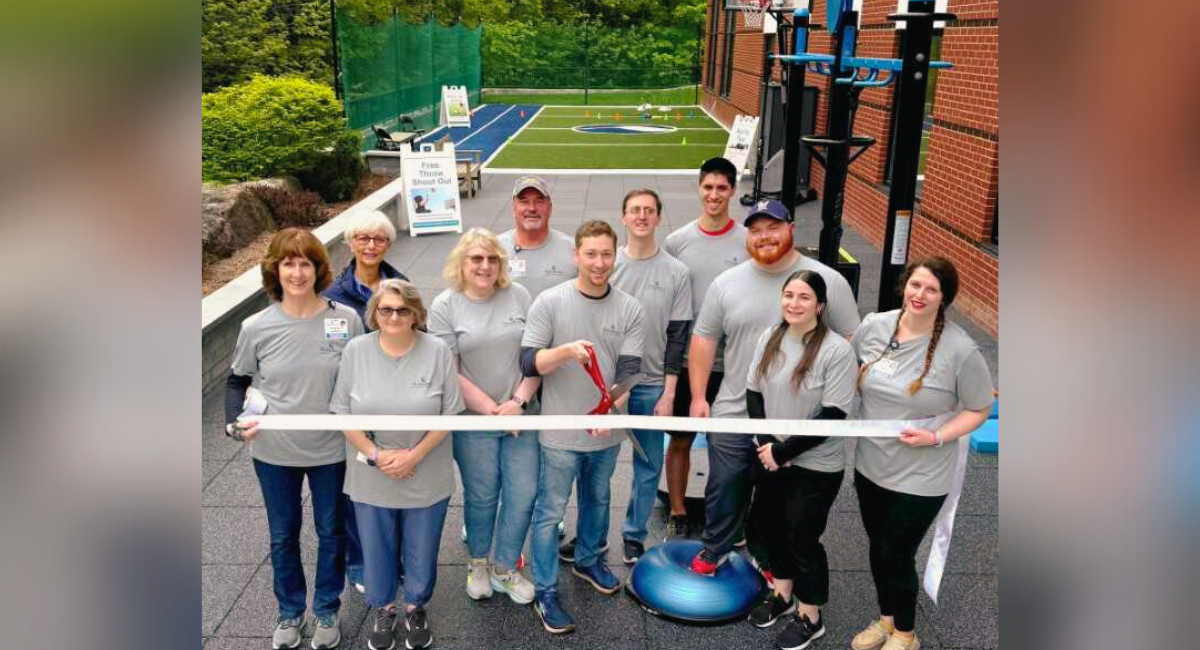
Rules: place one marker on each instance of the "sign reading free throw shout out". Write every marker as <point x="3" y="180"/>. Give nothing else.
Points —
<point x="741" y="141"/>
<point x="430" y="194"/>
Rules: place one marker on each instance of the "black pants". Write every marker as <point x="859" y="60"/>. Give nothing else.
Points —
<point x="896" y="523"/>
<point x="791" y="507"/>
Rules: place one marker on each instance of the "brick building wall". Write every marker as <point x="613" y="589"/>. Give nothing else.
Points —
<point x="956" y="214"/>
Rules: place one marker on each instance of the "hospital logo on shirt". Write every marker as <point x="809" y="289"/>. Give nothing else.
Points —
<point x="612" y="330"/>
<point x="515" y="319"/>
<point x="732" y="261"/>
<point x="553" y="270"/>
<point x="421" y="381"/>
<point x="656" y="285"/>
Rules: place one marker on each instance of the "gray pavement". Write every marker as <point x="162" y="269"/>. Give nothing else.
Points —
<point x="238" y="607"/>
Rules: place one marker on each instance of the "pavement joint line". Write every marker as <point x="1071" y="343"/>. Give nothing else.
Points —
<point x="241" y="592"/>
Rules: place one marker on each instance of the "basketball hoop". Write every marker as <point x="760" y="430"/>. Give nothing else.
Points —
<point x="752" y="12"/>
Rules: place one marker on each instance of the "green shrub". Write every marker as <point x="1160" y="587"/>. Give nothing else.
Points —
<point x="290" y="208"/>
<point x="335" y="174"/>
<point x="267" y="126"/>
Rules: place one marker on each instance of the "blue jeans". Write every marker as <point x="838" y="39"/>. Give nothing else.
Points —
<point x="558" y="471"/>
<point x="281" y="494"/>
<point x="644" y="489"/>
<point x="416" y="533"/>
<point x="498" y="469"/>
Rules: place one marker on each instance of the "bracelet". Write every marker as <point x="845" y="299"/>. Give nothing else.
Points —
<point x="937" y="435"/>
<point x="519" y="402"/>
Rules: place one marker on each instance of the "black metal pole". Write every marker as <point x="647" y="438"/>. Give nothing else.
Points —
<point x="337" y="65"/>
<point x="793" y="108"/>
<point x="910" y="114"/>
<point x="840" y="125"/>
<point x="768" y="67"/>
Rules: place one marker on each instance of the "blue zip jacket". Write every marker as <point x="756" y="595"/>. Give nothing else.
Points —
<point x="347" y="290"/>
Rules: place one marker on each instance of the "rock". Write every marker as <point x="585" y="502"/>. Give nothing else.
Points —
<point x="232" y="216"/>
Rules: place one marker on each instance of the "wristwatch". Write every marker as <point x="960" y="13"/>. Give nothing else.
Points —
<point x="374" y="457"/>
<point x="234" y="431"/>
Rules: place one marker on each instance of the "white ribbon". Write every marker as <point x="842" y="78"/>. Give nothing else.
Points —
<point x="747" y="426"/>
<point x="943" y="526"/>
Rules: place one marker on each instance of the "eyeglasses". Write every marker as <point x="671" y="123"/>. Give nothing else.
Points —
<point x="478" y="259"/>
<point x="399" y="312"/>
<point x="648" y="210"/>
<point x="367" y="240"/>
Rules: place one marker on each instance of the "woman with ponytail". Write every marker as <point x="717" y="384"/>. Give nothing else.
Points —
<point x="800" y="370"/>
<point x="915" y="365"/>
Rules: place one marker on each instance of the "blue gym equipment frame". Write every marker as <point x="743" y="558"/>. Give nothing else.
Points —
<point x="836" y="149"/>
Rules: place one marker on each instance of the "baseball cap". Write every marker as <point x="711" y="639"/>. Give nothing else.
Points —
<point x="536" y="182"/>
<point x="768" y="208"/>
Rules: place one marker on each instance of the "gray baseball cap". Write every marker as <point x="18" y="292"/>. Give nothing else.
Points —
<point x="536" y="182"/>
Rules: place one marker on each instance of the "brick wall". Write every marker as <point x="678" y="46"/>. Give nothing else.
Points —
<point x="956" y="215"/>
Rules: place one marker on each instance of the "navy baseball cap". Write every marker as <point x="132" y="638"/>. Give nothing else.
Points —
<point x="768" y="208"/>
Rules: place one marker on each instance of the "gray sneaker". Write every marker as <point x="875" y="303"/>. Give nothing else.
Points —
<point x="288" y="632"/>
<point x="328" y="633"/>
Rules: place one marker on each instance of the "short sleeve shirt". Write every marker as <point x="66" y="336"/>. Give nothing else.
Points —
<point x="614" y="323"/>
<point x="706" y="256"/>
<point x="422" y="382"/>
<point x="744" y="301"/>
<point x="484" y="335"/>
<point x="294" y="364"/>
<point x="538" y="269"/>
<point x="958" y="379"/>
<point x="828" y="382"/>
<point x="662" y="286"/>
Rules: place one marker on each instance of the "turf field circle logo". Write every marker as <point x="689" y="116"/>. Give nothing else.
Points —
<point x="627" y="129"/>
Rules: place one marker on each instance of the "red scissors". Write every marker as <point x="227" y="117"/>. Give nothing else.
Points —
<point x="608" y="398"/>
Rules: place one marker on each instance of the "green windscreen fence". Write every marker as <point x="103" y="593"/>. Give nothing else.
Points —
<point x="589" y="56"/>
<point x="394" y="68"/>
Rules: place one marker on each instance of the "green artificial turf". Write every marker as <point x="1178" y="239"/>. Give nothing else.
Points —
<point x="550" y="143"/>
<point x="597" y="97"/>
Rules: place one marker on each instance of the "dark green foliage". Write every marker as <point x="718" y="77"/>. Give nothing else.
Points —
<point x="291" y="208"/>
<point x="335" y="174"/>
<point x="267" y="126"/>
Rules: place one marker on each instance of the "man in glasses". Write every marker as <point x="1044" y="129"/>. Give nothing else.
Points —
<point x="566" y="325"/>
<point x="538" y="257"/>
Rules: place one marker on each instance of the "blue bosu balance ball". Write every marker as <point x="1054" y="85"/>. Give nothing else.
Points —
<point x="662" y="584"/>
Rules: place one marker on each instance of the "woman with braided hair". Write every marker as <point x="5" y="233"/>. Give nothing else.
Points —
<point x="915" y="365"/>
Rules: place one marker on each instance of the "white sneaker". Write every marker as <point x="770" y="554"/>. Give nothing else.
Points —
<point x="517" y="586"/>
<point x="478" y="583"/>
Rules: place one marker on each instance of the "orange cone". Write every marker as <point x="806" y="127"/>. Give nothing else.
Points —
<point x="617" y="116"/>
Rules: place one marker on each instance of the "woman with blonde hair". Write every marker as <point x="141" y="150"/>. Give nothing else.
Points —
<point x="915" y="365"/>
<point x="290" y="352"/>
<point x="482" y="317"/>
<point x="402" y="486"/>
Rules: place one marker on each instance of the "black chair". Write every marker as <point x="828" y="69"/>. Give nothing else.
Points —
<point x="384" y="141"/>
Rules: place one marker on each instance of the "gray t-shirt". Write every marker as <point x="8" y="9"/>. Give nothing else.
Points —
<point x="422" y="382"/>
<point x="614" y="324"/>
<point x="958" y="379"/>
<point x="828" y="382"/>
<point x="538" y="269"/>
<point x="662" y="286"/>
<point x="744" y="301"/>
<point x="707" y="256"/>
<point x="485" y="336"/>
<point x="294" y="364"/>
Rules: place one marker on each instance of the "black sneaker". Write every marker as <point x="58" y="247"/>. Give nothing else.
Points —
<point x="383" y="629"/>
<point x="677" y="527"/>
<point x="771" y="610"/>
<point x="632" y="551"/>
<point x="566" y="552"/>
<point x="419" y="634"/>
<point x="800" y="632"/>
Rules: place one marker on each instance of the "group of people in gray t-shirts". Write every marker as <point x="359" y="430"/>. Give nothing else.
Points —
<point x="725" y="319"/>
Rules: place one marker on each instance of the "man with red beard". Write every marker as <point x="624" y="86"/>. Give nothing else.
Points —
<point x="740" y="304"/>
